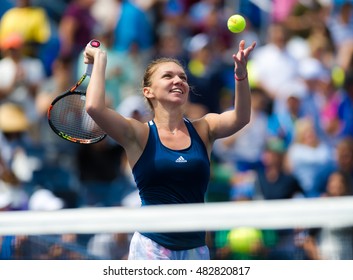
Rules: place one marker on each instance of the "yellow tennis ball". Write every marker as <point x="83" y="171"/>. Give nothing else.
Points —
<point x="236" y="23"/>
<point x="244" y="240"/>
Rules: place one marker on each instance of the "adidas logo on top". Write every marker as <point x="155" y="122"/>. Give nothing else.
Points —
<point x="181" y="159"/>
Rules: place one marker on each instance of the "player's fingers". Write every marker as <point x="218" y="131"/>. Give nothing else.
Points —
<point x="87" y="57"/>
<point x="86" y="60"/>
<point x="239" y="61"/>
<point x="249" y="50"/>
<point x="239" y="57"/>
<point x="235" y="58"/>
<point x="241" y="45"/>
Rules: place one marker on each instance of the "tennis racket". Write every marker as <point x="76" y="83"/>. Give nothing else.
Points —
<point x="67" y="114"/>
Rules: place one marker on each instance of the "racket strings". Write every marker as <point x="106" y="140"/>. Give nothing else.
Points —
<point x="70" y="118"/>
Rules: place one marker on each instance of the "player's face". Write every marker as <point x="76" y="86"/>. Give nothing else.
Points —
<point x="169" y="82"/>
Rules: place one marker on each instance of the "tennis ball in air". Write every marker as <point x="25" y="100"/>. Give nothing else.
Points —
<point x="244" y="240"/>
<point x="236" y="23"/>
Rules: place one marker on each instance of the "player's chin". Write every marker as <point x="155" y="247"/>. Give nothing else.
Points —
<point x="180" y="98"/>
<point x="177" y="95"/>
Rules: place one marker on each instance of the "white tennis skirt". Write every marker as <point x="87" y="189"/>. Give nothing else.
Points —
<point x="143" y="248"/>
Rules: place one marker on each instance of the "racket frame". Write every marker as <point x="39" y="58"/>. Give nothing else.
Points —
<point x="72" y="91"/>
<point x="64" y="135"/>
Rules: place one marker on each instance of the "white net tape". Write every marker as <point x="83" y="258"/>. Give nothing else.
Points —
<point x="320" y="212"/>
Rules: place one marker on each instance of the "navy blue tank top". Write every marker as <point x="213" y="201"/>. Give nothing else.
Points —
<point x="166" y="176"/>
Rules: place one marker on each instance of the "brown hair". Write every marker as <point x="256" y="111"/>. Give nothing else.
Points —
<point x="151" y="68"/>
<point x="346" y="181"/>
<point x="344" y="153"/>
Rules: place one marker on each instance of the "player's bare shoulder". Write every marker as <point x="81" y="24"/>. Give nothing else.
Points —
<point x="136" y="140"/>
<point x="203" y="129"/>
<point x="140" y="131"/>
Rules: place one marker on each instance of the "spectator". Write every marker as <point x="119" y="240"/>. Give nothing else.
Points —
<point x="307" y="155"/>
<point x="303" y="16"/>
<point x="311" y="73"/>
<point x="170" y="43"/>
<point x="20" y="75"/>
<point x="345" y="109"/>
<point x="12" y="197"/>
<point x="114" y="246"/>
<point x="15" y="142"/>
<point x="209" y="17"/>
<point x="244" y="149"/>
<point x="205" y="75"/>
<point x="30" y="22"/>
<point x="5" y="196"/>
<point x="106" y="13"/>
<point x="273" y="181"/>
<point x="334" y="243"/>
<point x="76" y="27"/>
<point x="339" y="184"/>
<point x="58" y="155"/>
<point x="282" y="124"/>
<point x="340" y="25"/>
<point x="330" y="122"/>
<point x="45" y="200"/>
<point x="100" y="166"/>
<point x="273" y="65"/>
<point x="342" y="161"/>
<point x="133" y="29"/>
<point x="6" y="242"/>
<point x="12" y="193"/>
<point x="55" y="9"/>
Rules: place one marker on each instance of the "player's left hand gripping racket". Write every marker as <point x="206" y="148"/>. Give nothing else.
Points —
<point x="67" y="114"/>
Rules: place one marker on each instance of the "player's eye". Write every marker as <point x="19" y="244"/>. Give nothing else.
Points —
<point x="183" y="77"/>
<point x="167" y="75"/>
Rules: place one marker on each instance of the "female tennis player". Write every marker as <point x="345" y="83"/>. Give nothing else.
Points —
<point x="169" y="155"/>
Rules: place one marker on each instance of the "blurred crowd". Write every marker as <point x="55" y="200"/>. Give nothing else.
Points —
<point x="298" y="144"/>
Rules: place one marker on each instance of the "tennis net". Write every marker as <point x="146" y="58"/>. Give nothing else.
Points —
<point x="319" y="228"/>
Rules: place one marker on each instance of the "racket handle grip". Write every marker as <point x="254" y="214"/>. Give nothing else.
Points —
<point x="95" y="44"/>
<point x="89" y="68"/>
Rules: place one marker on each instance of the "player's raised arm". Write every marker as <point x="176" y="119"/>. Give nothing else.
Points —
<point x="121" y="129"/>
<point x="229" y="122"/>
